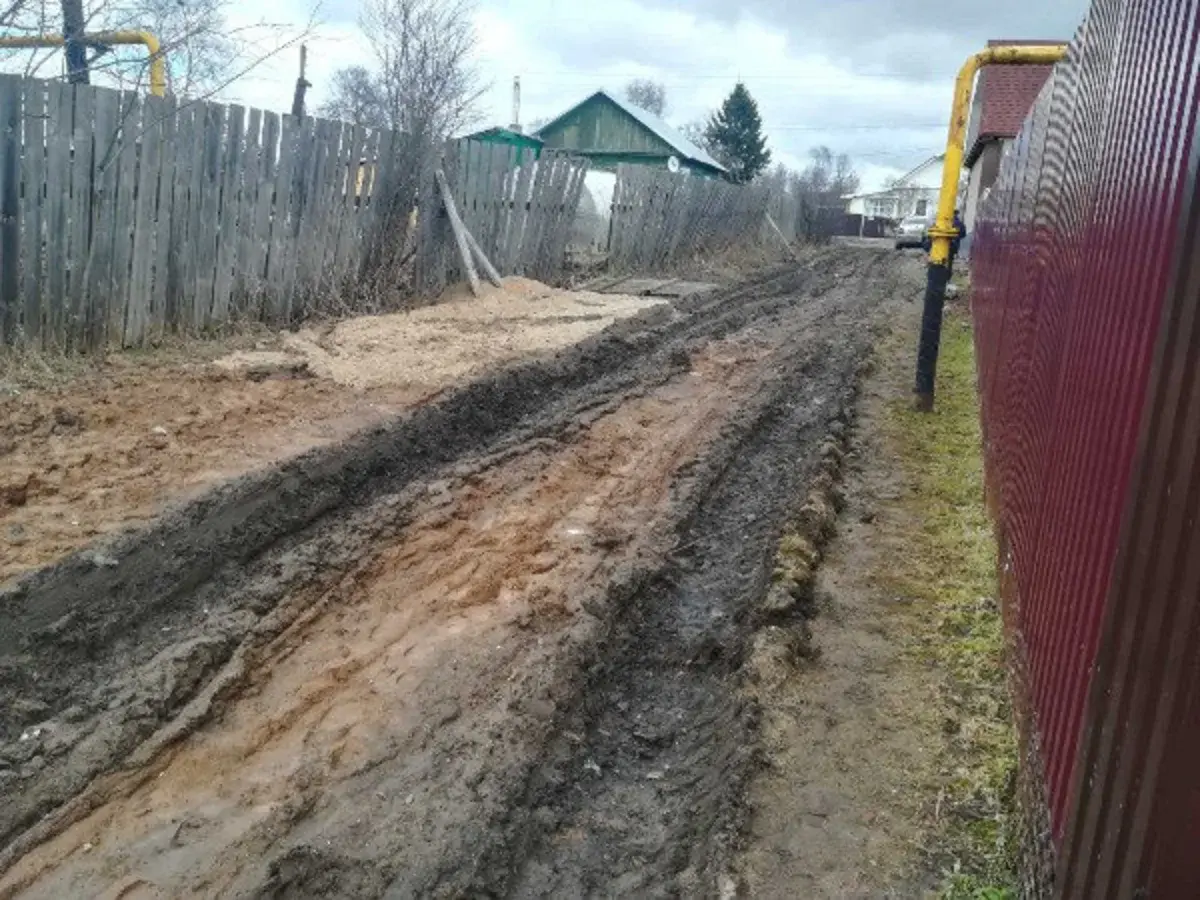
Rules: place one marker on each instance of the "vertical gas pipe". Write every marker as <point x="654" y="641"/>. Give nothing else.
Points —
<point x="943" y="230"/>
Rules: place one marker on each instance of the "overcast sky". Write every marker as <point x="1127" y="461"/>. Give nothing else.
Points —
<point x="868" y="77"/>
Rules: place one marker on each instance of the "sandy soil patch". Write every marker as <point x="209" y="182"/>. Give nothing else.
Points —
<point x="113" y="445"/>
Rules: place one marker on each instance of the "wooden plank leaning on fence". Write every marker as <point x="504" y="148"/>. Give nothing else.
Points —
<point x="460" y="238"/>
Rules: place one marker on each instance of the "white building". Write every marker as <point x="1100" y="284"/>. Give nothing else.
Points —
<point x="913" y="194"/>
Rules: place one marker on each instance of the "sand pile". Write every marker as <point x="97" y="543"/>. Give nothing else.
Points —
<point x="457" y="338"/>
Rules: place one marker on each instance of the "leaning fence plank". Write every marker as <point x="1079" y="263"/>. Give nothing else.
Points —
<point x="33" y="179"/>
<point x="137" y="307"/>
<point x="460" y="233"/>
<point x="10" y="195"/>
<point x="58" y="180"/>
<point x="533" y="216"/>
<point x="130" y="124"/>
<point x="164" y="216"/>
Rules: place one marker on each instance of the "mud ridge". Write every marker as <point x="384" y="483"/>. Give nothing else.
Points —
<point x="640" y="793"/>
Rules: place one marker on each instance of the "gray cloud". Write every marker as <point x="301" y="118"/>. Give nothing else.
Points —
<point x="908" y="36"/>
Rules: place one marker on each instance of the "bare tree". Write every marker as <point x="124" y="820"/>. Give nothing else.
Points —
<point x="648" y="95"/>
<point x="697" y="133"/>
<point x="429" y="85"/>
<point x="357" y="96"/>
<point x="828" y="177"/>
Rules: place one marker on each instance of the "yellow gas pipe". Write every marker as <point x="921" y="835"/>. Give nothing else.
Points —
<point x="158" y="61"/>
<point x="943" y="230"/>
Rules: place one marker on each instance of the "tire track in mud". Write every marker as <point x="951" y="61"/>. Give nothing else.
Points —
<point x="442" y="807"/>
<point x="639" y="795"/>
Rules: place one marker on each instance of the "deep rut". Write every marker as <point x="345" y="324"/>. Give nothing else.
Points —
<point x="638" y="796"/>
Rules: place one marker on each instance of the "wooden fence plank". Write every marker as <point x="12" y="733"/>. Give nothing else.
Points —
<point x="228" y="211"/>
<point x="192" y="251"/>
<point x="129" y="125"/>
<point x="33" y="180"/>
<point x="166" y="122"/>
<point x="428" y="212"/>
<point x="10" y="197"/>
<point x="59" y="105"/>
<point x="346" y="243"/>
<point x="247" y="208"/>
<point x="308" y="235"/>
<point x="179" y="305"/>
<point x="543" y="171"/>
<point x="208" y="223"/>
<point x="264" y="206"/>
<point x="106" y="159"/>
<point x="141" y="272"/>
<point x="559" y="225"/>
<point x="332" y="182"/>
<point x="490" y="238"/>
<point x="517" y="211"/>
<point x="278" y="246"/>
<point x="303" y="148"/>
<point x="79" y="213"/>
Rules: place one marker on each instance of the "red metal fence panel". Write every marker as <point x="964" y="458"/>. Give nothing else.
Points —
<point x="1076" y="276"/>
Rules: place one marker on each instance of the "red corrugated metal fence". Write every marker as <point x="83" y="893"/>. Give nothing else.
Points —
<point x="1078" y="289"/>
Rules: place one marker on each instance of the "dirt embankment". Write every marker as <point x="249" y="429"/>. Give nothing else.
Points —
<point x="492" y="648"/>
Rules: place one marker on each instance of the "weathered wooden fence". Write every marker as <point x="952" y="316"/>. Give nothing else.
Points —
<point x="123" y="217"/>
<point x="659" y="216"/>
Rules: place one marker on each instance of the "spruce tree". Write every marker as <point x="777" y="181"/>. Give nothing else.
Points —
<point x="735" y="134"/>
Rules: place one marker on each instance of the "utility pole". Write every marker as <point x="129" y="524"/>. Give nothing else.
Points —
<point x="302" y="84"/>
<point x="73" y="23"/>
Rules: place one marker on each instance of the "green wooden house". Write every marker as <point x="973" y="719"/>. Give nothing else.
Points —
<point x="609" y="131"/>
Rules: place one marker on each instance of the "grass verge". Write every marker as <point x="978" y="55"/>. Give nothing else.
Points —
<point x="950" y="572"/>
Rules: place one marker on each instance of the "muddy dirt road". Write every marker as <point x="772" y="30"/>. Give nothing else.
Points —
<point x="490" y="648"/>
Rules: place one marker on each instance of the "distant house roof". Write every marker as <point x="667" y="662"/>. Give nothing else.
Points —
<point x="661" y="129"/>
<point x="1004" y="96"/>
<point x="904" y="181"/>
<point x="503" y="135"/>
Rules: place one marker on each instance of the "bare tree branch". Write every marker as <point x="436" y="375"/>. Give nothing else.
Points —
<point x="648" y="95"/>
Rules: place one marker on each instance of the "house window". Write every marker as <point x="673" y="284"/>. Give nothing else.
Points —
<point x="881" y="208"/>
<point x="922" y="207"/>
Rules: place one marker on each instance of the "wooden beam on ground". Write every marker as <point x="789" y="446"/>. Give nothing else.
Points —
<point x="460" y="232"/>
